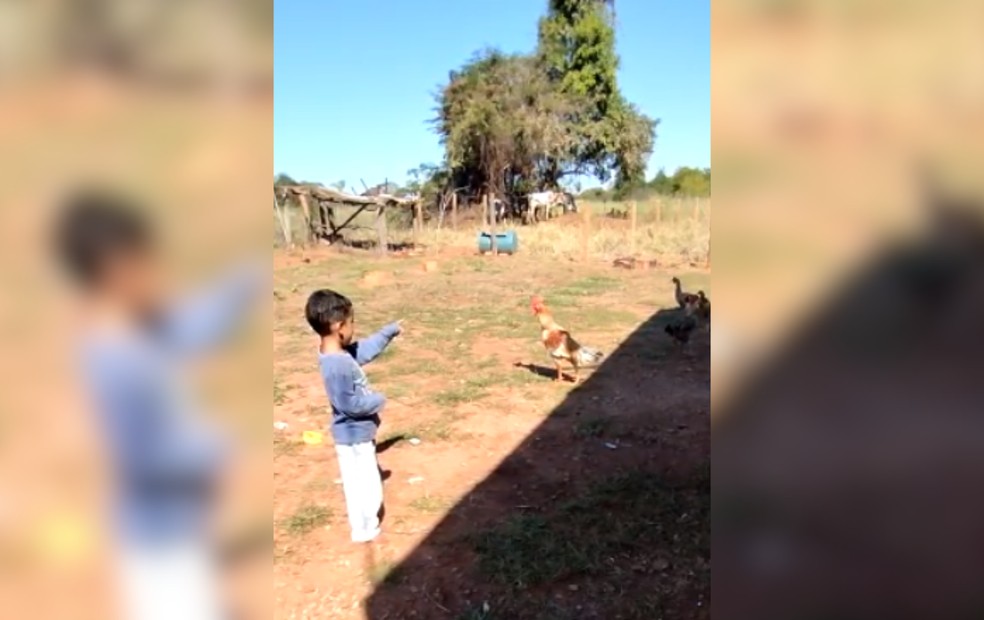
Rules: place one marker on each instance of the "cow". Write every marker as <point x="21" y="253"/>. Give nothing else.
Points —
<point x="548" y="202"/>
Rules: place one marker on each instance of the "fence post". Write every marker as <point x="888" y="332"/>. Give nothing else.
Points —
<point x="418" y="222"/>
<point x="308" y="222"/>
<point x="381" y="229"/>
<point x="284" y="216"/>
<point x="454" y="211"/>
<point x="632" y="230"/>
<point x="586" y="233"/>
<point x="490" y="214"/>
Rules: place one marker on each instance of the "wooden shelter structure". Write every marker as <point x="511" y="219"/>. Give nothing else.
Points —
<point x="318" y="205"/>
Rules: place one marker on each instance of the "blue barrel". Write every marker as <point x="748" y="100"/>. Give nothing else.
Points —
<point x="506" y="242"/>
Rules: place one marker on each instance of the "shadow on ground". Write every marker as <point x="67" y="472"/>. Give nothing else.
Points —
<point x="602" y="512"/>
<point x="362" y="244"/>
<point x="847" y="475"/>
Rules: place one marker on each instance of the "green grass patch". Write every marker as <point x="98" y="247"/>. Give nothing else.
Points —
<point x="417" y="316"/>
<point x="471" y="390"/>
<point x="589" y="318"/>
<point x="309" y="277"/>
<point x="282" y="555"/>
<point x="398" y="391"/>
<point x="521" y="378"/>
<point x="628" y="519"/>
<point x="317" y="410"/>
<point x="306" y="519"/>
<point x="279" y="392"/>
<point x="487" y="363"/>
<point x="285" y="446"/>
<point x="594" y="427"/>
<point x="430" y="504"/>
<point x="316" y="485"/>
<point x="402" y="366"/>
<point x="400" y="434"/>
<point x="382" y="571"/>
<point x="571" y="294"/>
<point x="439" y="428"/>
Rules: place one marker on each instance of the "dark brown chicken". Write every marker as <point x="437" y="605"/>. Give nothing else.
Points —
<point x="681" y="329"/>
<point x="703" y="306"/>
<point x="683" y="299"/>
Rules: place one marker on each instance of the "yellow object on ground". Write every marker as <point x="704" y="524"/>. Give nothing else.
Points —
<point x="312" y="438"/>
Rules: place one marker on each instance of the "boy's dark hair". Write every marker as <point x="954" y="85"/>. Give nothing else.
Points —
<point x="96" y="228"/>
<point x="325" y="307"/>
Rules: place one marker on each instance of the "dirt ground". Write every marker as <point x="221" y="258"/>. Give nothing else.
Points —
<point x="487" y="462"/>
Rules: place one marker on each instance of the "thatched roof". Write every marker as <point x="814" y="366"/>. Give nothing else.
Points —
<point x="332" y="195"/>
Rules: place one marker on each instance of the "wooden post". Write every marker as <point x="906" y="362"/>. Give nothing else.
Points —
<point x="490" y="214"/>
<point x="284" y="216"/>
<point x="586" y="233"/>
<point x="454" y="211"/>
<point x="381" y="229"/>
<point x="418" y="222"/>
<point x="633" y="216"/>
<point x="308" y="223"/>
<point x="332" y="224"/>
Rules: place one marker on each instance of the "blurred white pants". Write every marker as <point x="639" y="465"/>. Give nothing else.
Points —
<point x="363" y="488"/>
<point x="169" y="583"/>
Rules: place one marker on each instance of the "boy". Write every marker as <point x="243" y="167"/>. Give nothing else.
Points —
<point x="354" y="407"/>
<point x="167" y="461"/>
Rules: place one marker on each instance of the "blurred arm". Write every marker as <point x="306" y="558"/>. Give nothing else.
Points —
<point x="205" y="319"/>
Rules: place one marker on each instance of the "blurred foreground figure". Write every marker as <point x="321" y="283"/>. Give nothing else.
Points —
<point x="166" y="461"/>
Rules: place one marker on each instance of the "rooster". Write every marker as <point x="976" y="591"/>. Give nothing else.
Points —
<point x="560" y="344"/>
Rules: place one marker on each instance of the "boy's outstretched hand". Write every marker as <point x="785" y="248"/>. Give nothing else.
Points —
<point x="399" y="327"/>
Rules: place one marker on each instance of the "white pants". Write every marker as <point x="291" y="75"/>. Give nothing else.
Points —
<point x="363" y="488"/>
<point x="170" y="582"/>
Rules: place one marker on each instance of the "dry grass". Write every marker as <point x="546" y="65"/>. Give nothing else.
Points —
<point x="674" y="231"/>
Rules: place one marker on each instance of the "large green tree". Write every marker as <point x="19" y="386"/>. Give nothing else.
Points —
<point x="685" y="181"/>
<point x="520" y="122"/>
<point x="576" y="47"/>
<point x="500" y="119"/>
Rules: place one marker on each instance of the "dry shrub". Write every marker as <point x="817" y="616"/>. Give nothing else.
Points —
<point x="666" y="230"/>
<point x="676" y="237"/>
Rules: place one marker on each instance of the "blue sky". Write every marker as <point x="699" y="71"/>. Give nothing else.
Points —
<point x="354" y="81"/>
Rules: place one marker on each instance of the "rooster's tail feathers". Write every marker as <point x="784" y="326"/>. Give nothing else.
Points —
<point x="587" y="355"/>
